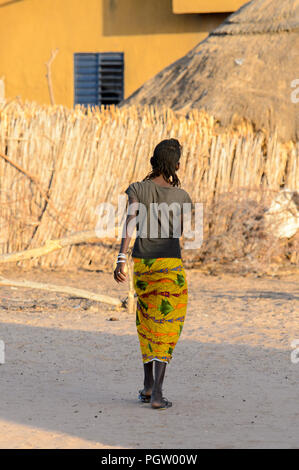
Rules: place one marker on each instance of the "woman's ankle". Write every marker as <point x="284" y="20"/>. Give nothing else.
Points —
<point x="156" y="393"/>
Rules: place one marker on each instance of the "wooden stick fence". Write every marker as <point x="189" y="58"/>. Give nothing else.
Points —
<point x="58" y="165"/>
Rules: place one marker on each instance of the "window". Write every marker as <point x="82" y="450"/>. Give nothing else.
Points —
<point x="99" y="78"/>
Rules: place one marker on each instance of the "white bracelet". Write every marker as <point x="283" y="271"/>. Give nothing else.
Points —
<point x="121" y="255"/>
<point x="121" y="261"/>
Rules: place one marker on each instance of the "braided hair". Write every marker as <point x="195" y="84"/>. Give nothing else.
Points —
<point x="164" y="160"/>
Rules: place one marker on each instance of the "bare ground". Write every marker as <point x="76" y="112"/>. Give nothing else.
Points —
<point x="71" y="375"/>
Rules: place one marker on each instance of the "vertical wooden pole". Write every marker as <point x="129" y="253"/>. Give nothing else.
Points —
<point x="49" y="75"/>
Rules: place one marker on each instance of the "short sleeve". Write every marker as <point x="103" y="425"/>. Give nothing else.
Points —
<point x="187" y="199"/>
<point x="132" y="192"/>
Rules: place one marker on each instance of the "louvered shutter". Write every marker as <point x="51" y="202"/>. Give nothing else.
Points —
<point x="99" y="78"/>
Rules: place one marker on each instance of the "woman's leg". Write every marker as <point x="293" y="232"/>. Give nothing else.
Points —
<point x="157" y="400"/>
<point x="148" y="378"/>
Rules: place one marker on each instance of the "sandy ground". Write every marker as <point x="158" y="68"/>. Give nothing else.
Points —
<point x="71" y="376"/>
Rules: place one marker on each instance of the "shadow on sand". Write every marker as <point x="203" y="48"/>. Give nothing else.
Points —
<point x="85" y="384"/>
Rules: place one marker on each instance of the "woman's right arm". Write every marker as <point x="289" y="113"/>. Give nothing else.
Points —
<point x="129" y="224"/>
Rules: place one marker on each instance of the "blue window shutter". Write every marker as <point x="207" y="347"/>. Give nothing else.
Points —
<point x="99" y="78"/>
<point x="111" y="77"/>
<point x="86" y="79"/>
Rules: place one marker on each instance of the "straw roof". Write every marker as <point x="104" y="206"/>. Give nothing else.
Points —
<point x="243" y="69"/>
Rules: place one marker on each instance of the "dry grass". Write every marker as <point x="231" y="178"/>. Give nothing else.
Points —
<point x="240" y="241"/>
<point x="63" y="163"/>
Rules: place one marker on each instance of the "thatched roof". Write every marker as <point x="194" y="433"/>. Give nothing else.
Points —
<point x="243" y="69"/>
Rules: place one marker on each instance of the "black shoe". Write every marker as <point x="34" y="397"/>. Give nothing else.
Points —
<point x="143" y="397"/>
<point x="165" y="404"/>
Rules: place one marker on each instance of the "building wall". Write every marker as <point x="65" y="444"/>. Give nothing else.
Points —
<point x="205" y="6"/>
<point x="149" y="33"/>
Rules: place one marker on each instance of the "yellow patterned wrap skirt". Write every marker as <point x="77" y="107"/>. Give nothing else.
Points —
<point x="162" y="296"/>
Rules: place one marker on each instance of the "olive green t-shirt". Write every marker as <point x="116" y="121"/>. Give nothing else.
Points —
<point x="158" y="233"/>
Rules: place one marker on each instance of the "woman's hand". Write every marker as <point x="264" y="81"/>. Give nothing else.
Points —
<point x="120" y="272"/>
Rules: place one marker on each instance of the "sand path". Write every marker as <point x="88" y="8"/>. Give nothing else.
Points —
<point x="71" y="376"/>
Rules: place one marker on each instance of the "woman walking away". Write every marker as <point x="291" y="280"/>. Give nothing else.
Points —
<point x="159" y="275"/>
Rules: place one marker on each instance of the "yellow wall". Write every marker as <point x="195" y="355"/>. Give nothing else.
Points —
<point x="147" y="31"/>
<point x="205" y="6"/>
